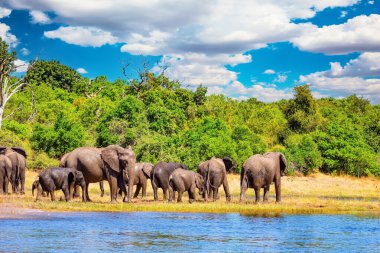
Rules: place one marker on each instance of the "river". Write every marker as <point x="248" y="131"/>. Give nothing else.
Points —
<point x="188" y="232"/>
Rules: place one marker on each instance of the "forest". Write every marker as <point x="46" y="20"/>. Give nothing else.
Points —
<point x="57" y="110"/>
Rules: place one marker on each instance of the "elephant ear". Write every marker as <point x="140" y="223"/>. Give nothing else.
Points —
<point x="20" y="150"/>
<point x="228" y="163"/>
<point x="2" y="150"/>
<point x="147" y="169"/>
<point x="111" y="158"/>
<point x="282" y="164"/>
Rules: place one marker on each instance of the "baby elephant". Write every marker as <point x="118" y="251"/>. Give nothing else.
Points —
<point x="57" y="178"/>
<point x="185" y="180"/>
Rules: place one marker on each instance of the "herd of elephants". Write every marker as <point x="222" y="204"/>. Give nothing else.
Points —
<point x="118" y="166"/>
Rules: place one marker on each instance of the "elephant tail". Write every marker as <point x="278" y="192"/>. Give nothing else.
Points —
<point x="208" y="179"/>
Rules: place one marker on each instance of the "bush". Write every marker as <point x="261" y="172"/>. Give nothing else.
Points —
<point x="302" y="153"/>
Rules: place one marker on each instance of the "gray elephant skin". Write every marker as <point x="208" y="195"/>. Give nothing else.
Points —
<point x="5" y="173"/>
<point x="160" y="176"/>
<point x="57" y="178"/>
<point x="185" y="180"/>
<point x="260" y="171"/>
<point x="109" y="163"/>
<point x="142" y="174"/>
<point x="17" y="155"/>
<point x="214" y="173"/>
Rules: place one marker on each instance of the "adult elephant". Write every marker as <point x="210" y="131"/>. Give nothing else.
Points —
<point x="159" y="176"/>
<point x="142" y="174"/>
<point x="5" y="173"/>
<point x="214" y="173"/>
<point x="107" y="163"/>
<point x="17" y="155"/>
<point x="260" y="171"/>
<point x="63" y="163"/>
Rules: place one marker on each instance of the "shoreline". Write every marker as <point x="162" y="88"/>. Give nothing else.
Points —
<point x="315" y="194"/>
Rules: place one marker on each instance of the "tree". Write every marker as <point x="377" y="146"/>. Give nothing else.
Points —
<point x="56" y="75"/>
<point x="8" y="85"/>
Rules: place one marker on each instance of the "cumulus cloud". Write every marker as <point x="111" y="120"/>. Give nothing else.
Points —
<point x="82" y="71"/>
<point x="7" y="36"/>
<point x="281" y="78"/>
<point x="24" y="51"/>
<point x="4" y="12"/>
<point x="82" y="36"/>
<point x="21" y="66"/>
<point x="269" y="72"/>
<point x="359" y="76"/>
<point x="39" y="17"/>
<point x="359" y="34"/>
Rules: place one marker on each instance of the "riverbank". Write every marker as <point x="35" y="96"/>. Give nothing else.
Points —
<point x="316" y="194"/>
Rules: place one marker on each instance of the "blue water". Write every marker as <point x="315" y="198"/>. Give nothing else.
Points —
<point x="188" y="232"/>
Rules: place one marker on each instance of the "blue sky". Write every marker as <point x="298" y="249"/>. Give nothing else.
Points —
<point x="251" y="49"/>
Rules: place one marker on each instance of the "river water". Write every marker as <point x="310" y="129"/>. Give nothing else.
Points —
<point x="188" y="232"/>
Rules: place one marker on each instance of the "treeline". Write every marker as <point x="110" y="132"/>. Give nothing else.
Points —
<point x="61" y="110"/>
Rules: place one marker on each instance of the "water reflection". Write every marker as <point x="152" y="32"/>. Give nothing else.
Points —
<point x="189" y="232"/>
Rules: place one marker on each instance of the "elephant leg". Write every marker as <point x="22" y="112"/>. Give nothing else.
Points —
<point x="6" y="185"/>
<point x="144" y="185"/>
<point x="67" y="193"/>
<point x="179" y="199"/>
<point x="215" y="195"/>
<point x="257" y="194"/>
<point x="113" y="188"/>
<point x="155" y="191"/>
<point x="266" y="191"/>
<point x="138" y="187"/>
<point x="13" y="180"/>
<point x="52" y="195"/>
<point x="22" y="179"/>
<point x="2" y="185"/>
<point x="165" y="190"/>
<point x="76" y="192"/>
<point x="191" y="193"/>
<point x="226" y="189"/>
<point x="101" y="186"/>
<point x="243" y="189"/>
<point x="126" y="191"/>
<point x="278" y="190"/>
<point x="39" y="193"/>
<point x="85" y="191"/>
<point x="171" y="194"/>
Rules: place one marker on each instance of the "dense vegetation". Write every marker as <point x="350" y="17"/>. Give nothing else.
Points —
<point x="60" y="110"/>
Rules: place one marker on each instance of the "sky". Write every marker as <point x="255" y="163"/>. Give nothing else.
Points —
<point x="242" y="49"/>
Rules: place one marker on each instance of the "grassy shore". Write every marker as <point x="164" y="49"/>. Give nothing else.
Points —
<point x="316" y="194"/>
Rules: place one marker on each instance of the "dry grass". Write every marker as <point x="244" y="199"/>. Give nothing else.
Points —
<point x="300" y="195"/>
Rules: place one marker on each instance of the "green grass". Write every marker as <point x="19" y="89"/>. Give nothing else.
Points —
<point x="318" y="194"/>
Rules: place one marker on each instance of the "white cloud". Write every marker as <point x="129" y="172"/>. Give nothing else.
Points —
<point x="82" y="36"/>
<point x="359" y="76"/>
<point x="265" y="93"/>
<point x="22" y="66"/>
<point x="358" y="34"/>
<point x="4" y="12"/>
<point x="82" y="71"/>
<point x="39" y="17"/>
<point x="281" y="78"/>
<point x="269" y="72"/>
<point x="7" y="36"/>
<point x="371" y="2"/>
<point x="24" y="51"/>
<point x="343" y="14"/>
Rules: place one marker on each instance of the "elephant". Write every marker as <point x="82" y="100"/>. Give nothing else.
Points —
<point x="5" y="173"/>
<point x="185" y="180"/>
<point x="36" y="185"/>
<point x="260" y="171"/>
<point x="159" y="176"/>
<point x="17" y="155"/>
<point x="142" y="174"/>
<point x="214" y="173"/>
<point x="58" y="178"/>
<point x="109" y="163"/>
<point x="62" y="163"/>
